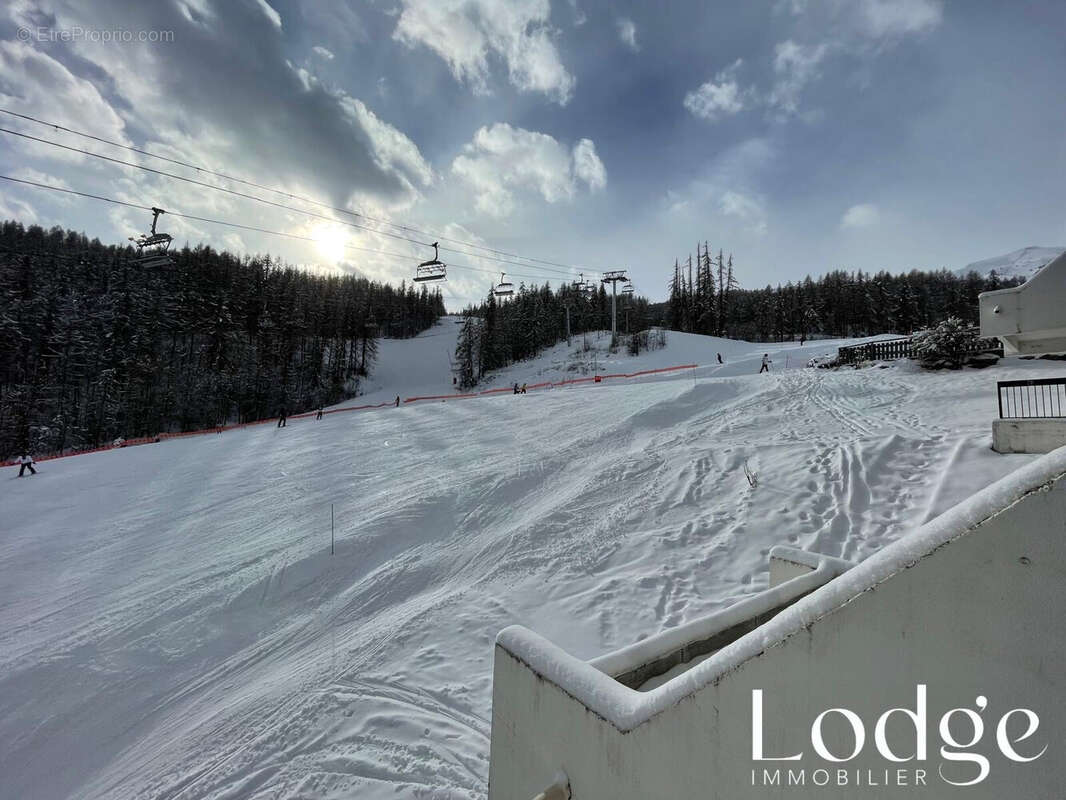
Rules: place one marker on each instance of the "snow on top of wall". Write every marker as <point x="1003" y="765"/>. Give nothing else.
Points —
<point x="626" y="708"/>
<point x="824" y="569"/>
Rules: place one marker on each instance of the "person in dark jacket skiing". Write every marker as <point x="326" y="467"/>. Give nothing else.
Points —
<point x="720" y="359"/>
<point x="318" y="415"/>
<point x="283" y="415"/>
<point x="397" y="401"/>
<point x="26" y="463"/>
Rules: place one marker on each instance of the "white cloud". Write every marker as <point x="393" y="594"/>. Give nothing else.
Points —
<point x="795" y="65"/>
<point x="271" y="14"/>
<point x="627" y="33"/>
<point x="502" y="160"/>
<point x="392" y="149"/>
<point x="580" y="17"/>
<point x="198" y="12"/>
<point x="587" y="165"/>
<point x="718" y="98"/>
<point x="857" y="28"/>
<point x="748" y="209"/>
<point x="322" y="52"/>
<point x="465" y="33"/>
<point x="870" y="19"/>
<point x="17" y="209"/>
<point x="880" y="18"/>
<point x="863" y="215"/>
<point x="33" y="83"/>
<point x="36" y="176"/>
<point x="727" y="191"/>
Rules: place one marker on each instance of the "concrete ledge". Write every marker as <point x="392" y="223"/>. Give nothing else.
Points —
<point x="787" y="563"/>
<point x="1028" y="435"/>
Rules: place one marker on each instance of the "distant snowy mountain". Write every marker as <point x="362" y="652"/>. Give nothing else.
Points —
<point x="1020" y="263"/>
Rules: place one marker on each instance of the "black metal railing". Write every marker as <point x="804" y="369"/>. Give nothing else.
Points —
<point x="1043" y="398"/>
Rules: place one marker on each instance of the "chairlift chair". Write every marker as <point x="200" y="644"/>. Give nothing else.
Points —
<point x="586" y="288"/>
<point x="432" y="270"/>
<point x="628" y="288"/>
<point x="505" y="287"/>
<point x="153" y="247"/>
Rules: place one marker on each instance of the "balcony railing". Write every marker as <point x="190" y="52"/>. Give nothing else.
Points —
<point x="1038" y="398"/>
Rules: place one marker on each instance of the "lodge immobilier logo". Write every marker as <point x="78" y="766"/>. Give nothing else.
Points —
<point x="962" y="759"/>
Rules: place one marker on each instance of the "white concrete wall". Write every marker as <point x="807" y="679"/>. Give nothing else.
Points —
<point x="1030" y="318"/>
<point x="1028" y="435"/>
<point x="787" y="563"/>
<point x="971" y="605"/>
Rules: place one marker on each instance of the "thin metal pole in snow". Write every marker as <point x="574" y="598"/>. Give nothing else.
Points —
<point x="332" y="535"/>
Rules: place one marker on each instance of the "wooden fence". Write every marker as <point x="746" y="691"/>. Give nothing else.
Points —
<point x="891" y="349"/>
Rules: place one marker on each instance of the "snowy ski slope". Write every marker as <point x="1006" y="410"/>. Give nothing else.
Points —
<point x="173" y="624"/>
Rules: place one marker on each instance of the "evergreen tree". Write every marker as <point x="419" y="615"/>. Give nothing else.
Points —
<point x="99" y="348"/>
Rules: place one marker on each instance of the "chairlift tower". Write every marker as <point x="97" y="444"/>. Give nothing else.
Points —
<point x="613" y="277"/>
<point x="584" y="290"/>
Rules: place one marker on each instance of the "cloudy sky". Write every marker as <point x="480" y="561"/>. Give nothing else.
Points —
<point x="800" y="135"/>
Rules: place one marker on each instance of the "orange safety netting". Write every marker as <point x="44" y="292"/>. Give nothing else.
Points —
<point x="223" y="428"/>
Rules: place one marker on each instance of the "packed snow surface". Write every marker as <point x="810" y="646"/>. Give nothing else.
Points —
<point x="174" y="625"/>
<point x="1016" y="264"/>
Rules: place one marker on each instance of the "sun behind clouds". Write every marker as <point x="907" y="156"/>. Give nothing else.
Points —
<point x="330" y="242"/>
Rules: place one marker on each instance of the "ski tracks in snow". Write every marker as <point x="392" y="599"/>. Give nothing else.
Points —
<point x="224" y="653"/>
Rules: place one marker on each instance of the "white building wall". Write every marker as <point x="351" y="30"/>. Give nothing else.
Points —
<point x="1030" y="318"/>
<point x="1028" y="435"/>
<point x="979" y="612"/>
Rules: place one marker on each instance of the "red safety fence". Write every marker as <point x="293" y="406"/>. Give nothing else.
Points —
<point x="572" y="381"/>
<point x="237" y="426"/>
<point x="439" y="397"/>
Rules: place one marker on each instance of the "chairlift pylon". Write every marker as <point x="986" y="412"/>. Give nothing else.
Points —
<point x="432" y="270"/>
<point x="505" y="287"/>
<point x="153" y="247"/>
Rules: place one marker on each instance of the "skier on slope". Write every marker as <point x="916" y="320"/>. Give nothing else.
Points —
<point x="397" y="401"/>
<point x="283" y="415"/>
<point x="26" y="462"/>
<point x="318" y="414"/>
<point x="516" y="387"/>
<point x="720" y="359"/>
<point x="523" y="388"/>
<point x="766" y="362"/>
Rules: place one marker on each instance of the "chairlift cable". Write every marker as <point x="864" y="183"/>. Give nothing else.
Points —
<point x="568" y="268"/>
<point x="265" y="201"/>
<point x="239" y="225"/>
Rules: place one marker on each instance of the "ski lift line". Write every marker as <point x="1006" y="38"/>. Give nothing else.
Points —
<point x="270" y="202"/>
<point x="568" y="273"/>
<point x="282" y="192"/>
<point x="209" y="186"/>
<point x="239" y="225"/>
